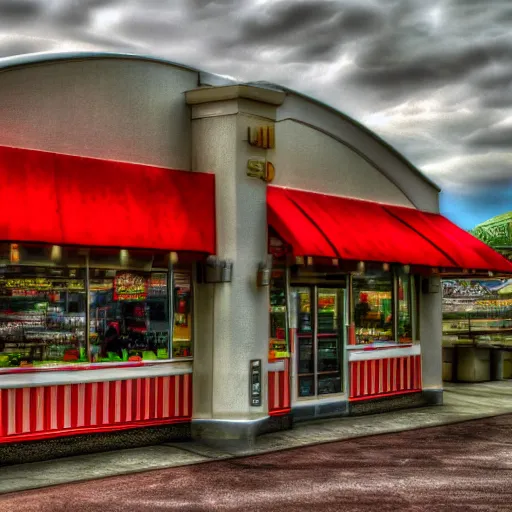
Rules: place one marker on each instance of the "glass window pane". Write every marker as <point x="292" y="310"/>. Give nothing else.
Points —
<point x="305" y="324"/>
<point x="306" y="385"/>
<point x="42" y="316"/>
<point x="373" y="307"/>
<point x="329" y="310"/>
<point x="278" y="338"/>
<point x="305" y="345"/>
<point x="128" y="314"/>
<point x="404" y="309"/>
<point x="182" y="334"/>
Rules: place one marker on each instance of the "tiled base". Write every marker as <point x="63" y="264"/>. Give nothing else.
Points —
<point x="34" y="451"/>
<point x="306" y="412"/>
<point x="276" y="424"/>
<point x="387" y="404"/>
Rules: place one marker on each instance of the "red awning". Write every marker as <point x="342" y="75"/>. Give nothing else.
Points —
<point x="338" y="227"/>
<point x="69" y="200"/>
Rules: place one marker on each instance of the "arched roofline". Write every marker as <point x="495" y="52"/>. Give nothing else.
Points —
<point x="205" y="78"/>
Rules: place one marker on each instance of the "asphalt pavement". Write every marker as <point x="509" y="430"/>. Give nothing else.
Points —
<point x="383" y="460"/>
<point x="465" y="466"/>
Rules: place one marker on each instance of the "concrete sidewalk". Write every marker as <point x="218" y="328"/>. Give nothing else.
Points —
<point x="462" y="402"/>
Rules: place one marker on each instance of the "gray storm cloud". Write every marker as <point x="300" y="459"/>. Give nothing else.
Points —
<point x="432" y="78"/>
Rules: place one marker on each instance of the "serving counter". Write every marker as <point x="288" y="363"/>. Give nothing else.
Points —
<point x="380" y="370"/>
<point x="45" y="404"/>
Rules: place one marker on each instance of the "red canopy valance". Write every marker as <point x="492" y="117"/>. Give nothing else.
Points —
<point x="351" y="229"/>
<point x="70" y="200"/>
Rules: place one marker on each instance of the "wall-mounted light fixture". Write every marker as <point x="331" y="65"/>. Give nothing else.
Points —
<point x="264" y="272"/>
<point x="360" y="267"/>
<point x="216" y="270"/>
<point x="15" y="253"/>
<point x="299" y="260"/>
<point x="56" y="253"/>
<point x="385" y="267"/>
<point x="124" y="257"/>
<point x="407" y="269"/>
<point x="173" y="256"/>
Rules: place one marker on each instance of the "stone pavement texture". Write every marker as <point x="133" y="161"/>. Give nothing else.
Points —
<point x="462" y="402"/>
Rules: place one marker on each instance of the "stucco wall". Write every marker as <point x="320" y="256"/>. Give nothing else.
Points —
<point x="238" y="329"/>
<point x="419" y="191"/>
<point x="308" y="159"/>
<point x="120" y="109"/>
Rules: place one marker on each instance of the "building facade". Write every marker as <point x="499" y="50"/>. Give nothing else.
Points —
<point x="223" y="258"/>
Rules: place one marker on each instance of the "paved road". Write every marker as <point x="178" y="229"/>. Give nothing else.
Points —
<point x="466" y="466"/>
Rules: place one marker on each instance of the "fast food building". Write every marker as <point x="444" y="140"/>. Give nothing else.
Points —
<point x="185" y="255"/>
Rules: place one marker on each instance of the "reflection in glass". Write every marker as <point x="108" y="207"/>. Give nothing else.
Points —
<point x="42" y="316"/>
<point x="329" y="340"/>
<point x="128" y="313"/>
<point x="278" y="338"/>
<point x="404" y="309"/>
<point x="373" y="307"/>
<point x="182" y="333"/>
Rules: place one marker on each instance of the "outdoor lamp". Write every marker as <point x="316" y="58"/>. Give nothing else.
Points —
<point x="124" y="257"/>
<point x="56" y="253"/>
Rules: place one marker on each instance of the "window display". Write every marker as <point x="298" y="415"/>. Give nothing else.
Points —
<point x="404" y="309"/>
<point x="128" y="316"/>
<point x="278" y="339"/>
<point x="182" y="334"/>
<point x="42" y="316"/>
<point x="43" y="304"/>
<point x="373" y="307"/>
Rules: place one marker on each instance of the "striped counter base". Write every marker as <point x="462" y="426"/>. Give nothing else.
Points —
<point x="279" y="387"/>
<point x="58" y="410"/>
<point x="389" y="376"/>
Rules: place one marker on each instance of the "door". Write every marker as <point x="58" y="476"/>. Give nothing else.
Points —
<point x="319" y="348"/>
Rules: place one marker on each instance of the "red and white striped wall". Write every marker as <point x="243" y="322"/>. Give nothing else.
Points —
<point x="59" y="410"/>
<point x="384" y="377"/>
<point x="279" y="387"/>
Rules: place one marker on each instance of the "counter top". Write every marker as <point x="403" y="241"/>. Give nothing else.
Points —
<point x="52" y="378"/>
<point x="385" y="353"/>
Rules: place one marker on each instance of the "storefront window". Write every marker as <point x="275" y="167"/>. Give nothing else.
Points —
<point x="42" y="316"/>
<point x="373" y="307"/>
<point x="182" y="336"/>
<point x="278" y="339"/>
<point x="129" y="319"/>
<point x="404" y="309"/>
<point x="43" y="303"/>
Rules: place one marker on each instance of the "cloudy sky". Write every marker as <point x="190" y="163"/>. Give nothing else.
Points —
<point x="432" y="77"/>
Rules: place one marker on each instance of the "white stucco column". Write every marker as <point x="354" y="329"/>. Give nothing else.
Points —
<point x="232" y="320"/>
<point x="431" y="336"/>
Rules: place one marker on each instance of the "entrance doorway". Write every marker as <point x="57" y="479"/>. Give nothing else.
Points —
<point x="319" y="340"/>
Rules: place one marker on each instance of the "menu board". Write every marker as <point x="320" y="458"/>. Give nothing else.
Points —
<point x="41" y="284"/>
<point x="157" y="285"/>
<point x="128" y="286"/>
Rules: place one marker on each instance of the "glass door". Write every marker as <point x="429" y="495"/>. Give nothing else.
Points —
<point x="305" y="345"/>
<point x="329" y="341"/>
<point x="319" y="340"/>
